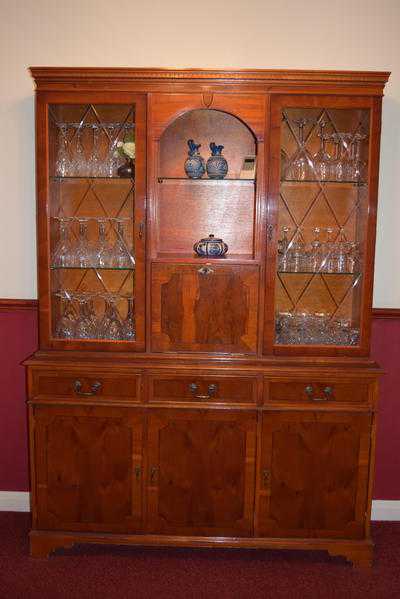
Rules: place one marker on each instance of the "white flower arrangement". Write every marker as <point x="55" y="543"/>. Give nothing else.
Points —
<point x="126" y="148"/>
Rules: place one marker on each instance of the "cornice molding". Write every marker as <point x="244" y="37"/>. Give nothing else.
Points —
<point x="87" y="74"/>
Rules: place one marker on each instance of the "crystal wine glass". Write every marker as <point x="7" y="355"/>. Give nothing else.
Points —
<point x="65" y="325"/>
<point x="112" y="160"/>
<point x="128" y="325"/>
<point x="110" y="326"/>
<point x="63" y="161"/>
<point x="315" y="254"/>
<point x="120" y="256"/>
<point x="83" y="255"/>
<point x="322" y="160"/>
<point x="94" y="163"/>
<point x="102" y="250"/>
<point x="63" y="255"/>
<point x="79" y="166"/>
<point x="358" y="165"/>
<point x="301" y="167"/>
<point x="86" y="324"/>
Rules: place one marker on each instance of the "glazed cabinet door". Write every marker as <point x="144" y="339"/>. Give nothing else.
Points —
<point x="323" y="194"/>
<point x="88" y="468"/>
<point x="313" y="474"/>
<point x="201" y="472"/>
<point x="91" y="171"/>
<point x="204" y="307"/>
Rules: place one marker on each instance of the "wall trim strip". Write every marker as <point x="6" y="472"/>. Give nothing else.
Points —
<point x="6" y="305"/>
<point x="19" y="501"/>
<point x="32" y="304"/>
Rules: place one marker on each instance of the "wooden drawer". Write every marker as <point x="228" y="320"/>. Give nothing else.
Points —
<point x="313" y="391"/>
<point x="207" y="388"/>
<point x="85" y="385"/>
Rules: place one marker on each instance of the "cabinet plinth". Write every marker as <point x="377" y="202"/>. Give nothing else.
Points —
<point x="194" y="400"/>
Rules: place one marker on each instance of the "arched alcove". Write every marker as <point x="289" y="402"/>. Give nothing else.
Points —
<point x="205" y="126"/>
<point x="187" y="209"/>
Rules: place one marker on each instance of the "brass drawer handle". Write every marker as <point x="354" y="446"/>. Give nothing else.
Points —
<point x="94" y="389"/>
<point x="206" y="270"/>
<point x="327" y="393"/>
<point x="212" y="389"/>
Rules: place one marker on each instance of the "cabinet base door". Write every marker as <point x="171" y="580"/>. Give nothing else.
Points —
<point x="313" y="475"/>
<point x="201" y="472"/>
<point x="88" y="473"/>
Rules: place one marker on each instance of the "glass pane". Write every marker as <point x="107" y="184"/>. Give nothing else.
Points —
<point x="322" y="226"/>
<point x="92" y="253"/>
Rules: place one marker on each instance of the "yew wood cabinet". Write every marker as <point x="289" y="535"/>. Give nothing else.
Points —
<point x="188" y="400"/>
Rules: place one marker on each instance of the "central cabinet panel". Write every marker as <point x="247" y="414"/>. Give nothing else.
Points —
<point x="204" y="308"/>
<point x="201" y="472"/>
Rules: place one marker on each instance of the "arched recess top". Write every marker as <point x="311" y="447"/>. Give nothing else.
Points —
<point x="249" y="108"/>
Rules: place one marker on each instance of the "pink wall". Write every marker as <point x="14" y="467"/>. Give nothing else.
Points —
<point x="18" y="339"/>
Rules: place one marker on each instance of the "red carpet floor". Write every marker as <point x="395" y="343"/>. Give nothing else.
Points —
<point x="107" y="572"/>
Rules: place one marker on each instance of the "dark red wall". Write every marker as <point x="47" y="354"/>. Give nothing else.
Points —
<point x="18" y="339"/>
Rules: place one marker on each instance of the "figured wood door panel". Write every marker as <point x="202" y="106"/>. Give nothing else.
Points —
<point x="88" y="468"/>
<point x="206" y="308"/>
<point x="201" y="472"/>
<point x="313" y="474"/>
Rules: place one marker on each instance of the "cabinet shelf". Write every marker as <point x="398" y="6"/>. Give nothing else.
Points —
<point x="190" y="258"/>
<point x="315" y="272"/>
<point x="205" y="181"/>
<point x="325" y="182"/>
<point x="90" y="178"/>
<point x="92" y="268"/>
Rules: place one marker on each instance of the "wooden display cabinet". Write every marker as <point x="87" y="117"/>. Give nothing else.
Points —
<point x="199" y="401"/>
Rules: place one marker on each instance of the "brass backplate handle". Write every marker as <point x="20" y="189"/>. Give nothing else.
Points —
<point x="94" y="389"/>
<point x="327" y="393"/>
<point x="212" y="389"/>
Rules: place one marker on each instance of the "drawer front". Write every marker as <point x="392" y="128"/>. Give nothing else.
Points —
<point x="312" y="391"/>
<point x="195" y="388"/>
<point x="85" y="385"/>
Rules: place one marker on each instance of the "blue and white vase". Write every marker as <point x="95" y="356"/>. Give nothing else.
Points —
<point x="217" y="166"/>
<point x="195" y="165"/>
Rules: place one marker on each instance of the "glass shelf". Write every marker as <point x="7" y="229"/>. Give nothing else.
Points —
<point x="315" y="272"/>
<point x="92" y="268"/>
<point x="89" y="177"/>
<point x="326" y="181"/>
<point x="205" y="180"/>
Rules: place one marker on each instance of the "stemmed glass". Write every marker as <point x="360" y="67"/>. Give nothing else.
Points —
<point x="65" y="325"/>
<point x="83" y="255"/>
<point x="128" y="325"/>
<point x="110" y="326"/>
<point x="357" y="164"/>
<point x="102" y="249"/>
<point x="112" y="159"/>
<point x="301" y="167"/>
<point x="95" y="164"/>
<point x="316" y="248"/>
<point x="120" y="257"/>
<point x="86" y="323"/>
<point x="322" y="160"/>
<point x="283" y="246"/>
<point x="79" y="161"/>
<point x="63" y="162"/>
<point x="63" y="255"/>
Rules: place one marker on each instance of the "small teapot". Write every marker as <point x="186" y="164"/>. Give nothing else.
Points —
<point x="210" y="246"/>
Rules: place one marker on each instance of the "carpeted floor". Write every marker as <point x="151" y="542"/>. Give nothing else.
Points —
<point x="109" y="572"/>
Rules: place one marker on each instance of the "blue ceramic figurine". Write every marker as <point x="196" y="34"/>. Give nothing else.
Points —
<point x="194" y="164"/>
